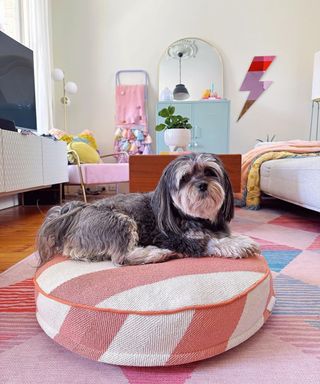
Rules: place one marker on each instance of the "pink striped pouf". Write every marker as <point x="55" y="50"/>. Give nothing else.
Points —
<point x="153" y="315"/>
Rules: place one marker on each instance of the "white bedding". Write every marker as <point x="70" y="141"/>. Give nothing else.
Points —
<point x="296" y="180"/>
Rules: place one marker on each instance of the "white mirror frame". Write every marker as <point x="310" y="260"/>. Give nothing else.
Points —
<point x="168" y="72"/>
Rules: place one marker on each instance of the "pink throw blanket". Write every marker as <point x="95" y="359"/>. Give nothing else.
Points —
<point x="130" y="105"/>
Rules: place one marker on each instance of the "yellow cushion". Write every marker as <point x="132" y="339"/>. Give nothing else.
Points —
<point x="88" y="136"/>
<point x="85" y="152"/>
<point x="85" y="136"/>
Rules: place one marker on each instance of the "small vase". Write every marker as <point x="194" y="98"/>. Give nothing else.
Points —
<point x="176" y="138"/>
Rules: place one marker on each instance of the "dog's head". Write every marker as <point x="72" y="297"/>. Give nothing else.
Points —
<point x="193" y="185"/>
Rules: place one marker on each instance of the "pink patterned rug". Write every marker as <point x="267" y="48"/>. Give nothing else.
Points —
<point x="286" y="350"/>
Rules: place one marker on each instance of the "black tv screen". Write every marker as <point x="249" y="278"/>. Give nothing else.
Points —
<point x="17" y="92"/>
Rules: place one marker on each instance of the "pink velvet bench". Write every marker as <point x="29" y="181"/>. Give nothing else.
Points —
<point x="93" y="174"/>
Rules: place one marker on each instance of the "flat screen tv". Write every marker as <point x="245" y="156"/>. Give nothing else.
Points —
<point x="17" y="92"/>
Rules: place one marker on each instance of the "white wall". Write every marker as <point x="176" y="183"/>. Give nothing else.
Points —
<point x="92" y="39"/>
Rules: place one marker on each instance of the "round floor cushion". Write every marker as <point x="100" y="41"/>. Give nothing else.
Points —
<point x="152" y="315"/>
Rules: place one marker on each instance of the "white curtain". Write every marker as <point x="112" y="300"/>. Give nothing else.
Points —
<point x="35" y="34"/>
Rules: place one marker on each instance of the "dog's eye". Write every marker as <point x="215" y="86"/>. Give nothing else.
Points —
<point x="210" y="172"/>
<point x="185" y="178"/>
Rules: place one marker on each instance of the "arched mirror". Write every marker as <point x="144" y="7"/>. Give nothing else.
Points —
<point x="188" y="67"/>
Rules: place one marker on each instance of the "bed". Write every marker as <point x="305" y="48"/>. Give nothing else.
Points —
<point x="287" y="170"/>
<point x="296" y="180"/>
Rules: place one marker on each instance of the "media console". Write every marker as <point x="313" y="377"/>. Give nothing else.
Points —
<point x="29" y="162"/>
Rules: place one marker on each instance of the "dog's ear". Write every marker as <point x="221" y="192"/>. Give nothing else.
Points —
<point x="162" y="205"/>
<point x="226" y="212"/>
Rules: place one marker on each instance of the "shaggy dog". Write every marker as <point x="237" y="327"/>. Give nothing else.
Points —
<point x="186" y="216"/>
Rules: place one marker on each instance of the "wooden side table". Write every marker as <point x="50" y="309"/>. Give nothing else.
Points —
<point x="145" y="170"/>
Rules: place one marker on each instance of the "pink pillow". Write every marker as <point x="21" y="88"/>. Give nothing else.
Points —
<point x="153" y="315"/>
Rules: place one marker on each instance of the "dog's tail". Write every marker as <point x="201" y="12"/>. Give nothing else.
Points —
<point x="51" y="233"/>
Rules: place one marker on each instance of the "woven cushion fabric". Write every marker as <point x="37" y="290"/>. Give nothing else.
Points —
<point x="153" y="315"/>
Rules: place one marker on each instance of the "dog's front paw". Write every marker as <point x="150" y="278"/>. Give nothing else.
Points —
<point x="235" y="247"/>
<point x="246" y="246"/>
<point x="147" y="255"/>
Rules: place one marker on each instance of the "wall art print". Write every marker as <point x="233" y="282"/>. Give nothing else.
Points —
<point x="252" y="82"/>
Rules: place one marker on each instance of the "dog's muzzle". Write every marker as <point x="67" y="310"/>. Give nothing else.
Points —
<point x="202" y="186"/>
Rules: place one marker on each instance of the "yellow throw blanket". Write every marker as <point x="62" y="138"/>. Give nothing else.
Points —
<point x="252" y="161"/>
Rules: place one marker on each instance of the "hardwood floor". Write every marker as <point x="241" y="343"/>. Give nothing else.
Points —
<point x="18" y="229"/>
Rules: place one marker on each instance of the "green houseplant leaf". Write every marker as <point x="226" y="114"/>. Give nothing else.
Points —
<point x="160" y="127"/>
<point x="171" y="109"/>
<point x="164" y="112"/>
<point x="172" y="121"/>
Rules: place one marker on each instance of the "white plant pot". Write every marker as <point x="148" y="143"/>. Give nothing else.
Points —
<point x="177" y="138"/>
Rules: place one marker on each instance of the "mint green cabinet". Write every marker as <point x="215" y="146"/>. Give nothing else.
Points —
<point x="210" y="122"/>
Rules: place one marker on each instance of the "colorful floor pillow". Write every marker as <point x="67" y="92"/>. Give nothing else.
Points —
<point x="153" y="315"/>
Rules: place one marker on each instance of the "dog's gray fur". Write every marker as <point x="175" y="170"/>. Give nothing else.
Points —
<point x="186" y="216"/>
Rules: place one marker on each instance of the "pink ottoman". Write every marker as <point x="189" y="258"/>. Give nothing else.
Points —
<point x="153" y="315"/>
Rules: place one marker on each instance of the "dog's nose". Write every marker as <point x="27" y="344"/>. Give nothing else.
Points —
<point x="202" y="187"/>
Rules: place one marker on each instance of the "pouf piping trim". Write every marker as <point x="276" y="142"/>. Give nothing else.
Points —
<point x="150" y="313"/>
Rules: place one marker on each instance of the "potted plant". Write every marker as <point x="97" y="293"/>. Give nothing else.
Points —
<point x="176" y="129"/>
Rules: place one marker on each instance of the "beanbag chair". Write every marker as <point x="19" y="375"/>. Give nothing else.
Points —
<point x="161" y="314"/>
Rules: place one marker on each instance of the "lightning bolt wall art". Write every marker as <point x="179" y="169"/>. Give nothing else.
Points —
<point x="252" y="82"/>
